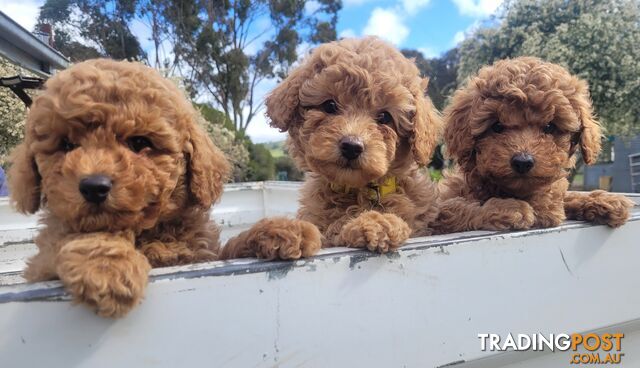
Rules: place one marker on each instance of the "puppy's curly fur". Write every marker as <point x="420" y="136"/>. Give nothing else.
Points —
<point x="513" y="130"/>
<point x="361" y="93"/>
<point x="125" y="123"/>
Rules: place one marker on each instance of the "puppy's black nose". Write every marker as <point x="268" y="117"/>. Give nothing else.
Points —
<point x="522" y="163"/>
<point x="351" y="147"/>
<point x="95" y="188"/>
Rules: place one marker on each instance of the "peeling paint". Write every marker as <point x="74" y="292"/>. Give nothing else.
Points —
<point x="279" y="273"/>
<point x="443" y="251"/>
<point x="393" y="255"/>
<point x="357" y="258"/>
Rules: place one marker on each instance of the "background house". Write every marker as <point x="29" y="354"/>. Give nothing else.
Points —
<point x="614" y="162"/>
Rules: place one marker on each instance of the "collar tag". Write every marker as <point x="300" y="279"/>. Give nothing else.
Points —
<point x="375" y="191"/>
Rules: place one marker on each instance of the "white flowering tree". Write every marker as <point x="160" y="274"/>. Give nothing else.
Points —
<point x="12" y="114"/>
<point x="597" y="40"/>
<point x="236" y="152"/>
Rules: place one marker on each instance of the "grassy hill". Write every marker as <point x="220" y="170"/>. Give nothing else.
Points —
<point x="276" y="148"/>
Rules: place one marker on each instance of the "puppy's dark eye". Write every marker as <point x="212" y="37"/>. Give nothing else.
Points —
<point x="550" y="128"/>
<point x="66" y="145"/>
<point x="497" y="127"/>
<point x="384" y="118"/>
<point x="138" y="143"/>
<point x="330" y="107"/>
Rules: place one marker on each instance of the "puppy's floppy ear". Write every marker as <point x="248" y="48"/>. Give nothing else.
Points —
<point x="208" y="168"/>
<point x="590" y="132"/>
<point x="24" y="180"/>
<point x="427" y="126"/>
<point x="283" y="103"/>
<point x="458" y="137"/>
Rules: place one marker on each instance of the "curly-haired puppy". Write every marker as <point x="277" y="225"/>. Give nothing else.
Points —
<point x="125" y="177"/>
<point x="360" y="124"/>
<point x="514" y="129"/>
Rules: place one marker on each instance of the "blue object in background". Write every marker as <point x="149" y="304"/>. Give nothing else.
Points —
<point x="4" y="190"/>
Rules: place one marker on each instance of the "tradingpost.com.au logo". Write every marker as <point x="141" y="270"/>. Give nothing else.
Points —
<point x="602" y="348"/>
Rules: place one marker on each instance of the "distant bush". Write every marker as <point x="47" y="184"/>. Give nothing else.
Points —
<point x="225" y="139"/>
<point x="262" y="165"/>
<point x="285" y="164"/>
<point x="12" y="114"/>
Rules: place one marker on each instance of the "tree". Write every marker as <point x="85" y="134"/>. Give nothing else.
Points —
<point x="262" y="166"/>
<point x="597" y="40"/>
<point x="213" y="42"/>
<point x="442" y="73"/>
<point x="91" y="28"/>
<point x="12" y="114"/>
<point x="285" y="164"/>
<point x="238" y="155"/>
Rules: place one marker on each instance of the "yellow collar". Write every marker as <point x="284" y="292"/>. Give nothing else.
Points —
<point x="375" y="191"/>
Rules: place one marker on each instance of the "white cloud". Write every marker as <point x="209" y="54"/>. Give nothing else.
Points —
<point x="458" y="37"/>
<point x="461" y="35"/>
<point x="413" y="6"/>
<point x="387" y="24"/>
<point x="347" y="33"/>
<point x="428" y="52"/>
<point x="347" y="3"/>
<point x="477" y="8"/>
<point x="311" y="6"/>
<point x="260" y="131"/>
<point x="24" y="12"/>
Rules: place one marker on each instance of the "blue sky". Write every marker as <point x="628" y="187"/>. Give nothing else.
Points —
<point x="431" y="26"/>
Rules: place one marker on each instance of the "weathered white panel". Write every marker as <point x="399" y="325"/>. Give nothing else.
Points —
<point x="420" y="307"/>
<point x="241" y="205"/>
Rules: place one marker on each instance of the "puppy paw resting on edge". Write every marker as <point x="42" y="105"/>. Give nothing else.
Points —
<point x="514" y="130"/>
<point x="359" y="124"/>
<point x="125" y="178"/>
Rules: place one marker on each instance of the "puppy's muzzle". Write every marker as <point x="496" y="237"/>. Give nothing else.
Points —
<point x="351" y="147"/>
<point x="95" y="188"/>
<point x="522" y="163"/>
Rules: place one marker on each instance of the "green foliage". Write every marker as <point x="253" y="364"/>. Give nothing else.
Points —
<point x="214" y="41"/>
<point x="595" y="39"/>
<point x="214" y="115"/>
<point x="12" y="114"/>
<point x="105" y="24"/>
<point x="276" y="148"/>
<point x="442" y="73"/>
<point x="215" y="123"/>
<point x="284" y="164"/>
<point x="262" y="165"/>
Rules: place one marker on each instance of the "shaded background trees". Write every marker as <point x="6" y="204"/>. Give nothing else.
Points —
<point x="597" y="40"/>
<point x="224" y="52"/>
<point x="221" y="50"/>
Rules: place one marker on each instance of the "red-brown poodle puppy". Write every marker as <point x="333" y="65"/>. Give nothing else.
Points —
<point x="125" y="178"/>
<point x="360" y="124"/>
<point x="513" y="130"/>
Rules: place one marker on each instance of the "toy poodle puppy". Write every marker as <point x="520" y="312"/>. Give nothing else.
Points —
<point x="359" y="124"/>
<point x="514" y="130"/>
<point x="125" y="178"/>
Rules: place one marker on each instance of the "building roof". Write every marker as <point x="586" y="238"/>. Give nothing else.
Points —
<point x="25" y="49"/>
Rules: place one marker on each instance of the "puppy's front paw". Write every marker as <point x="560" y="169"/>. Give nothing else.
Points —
<point x="275" y="238"/>
<point x="105" y="274"/>
<point x="378" y="232"/>
<point x="605" y="208"/>
<point x="161" y="254"/>
<point x="507" y="213"/>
